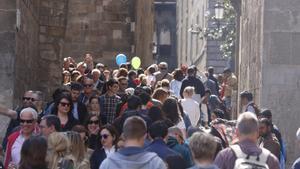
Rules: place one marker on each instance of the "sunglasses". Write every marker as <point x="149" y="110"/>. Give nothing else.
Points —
<point x="124" y="84"/>
<point x="65" y="104"/>
<point x="88" y="85"/>
<point x="104" y="136"/>
<point x="94" y="122"/>
<point x="26" y="121"/>
<point x="29" y="99"/>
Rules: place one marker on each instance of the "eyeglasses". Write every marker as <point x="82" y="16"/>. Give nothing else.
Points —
<point x="28" y="99"/>
<point x="65" y="104"/>
<point x="94" y="122"/>
<point x="124" y="84"/>
<point x="26" y="121"/>
<point x="88" y="85"/>
<point x="104" y="136"/>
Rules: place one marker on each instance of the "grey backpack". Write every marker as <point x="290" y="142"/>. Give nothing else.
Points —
<point x="245" y="161"/>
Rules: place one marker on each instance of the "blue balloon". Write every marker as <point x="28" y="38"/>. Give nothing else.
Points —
<point x="120" y="59"/>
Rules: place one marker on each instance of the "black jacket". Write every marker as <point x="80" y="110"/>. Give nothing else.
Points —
<point x="97" y="158"/>
<point x="195" y="82"/>
<point x="82" y="113"/>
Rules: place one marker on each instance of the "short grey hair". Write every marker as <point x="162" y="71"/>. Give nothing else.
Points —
<point x="247" y="123"/>
<point x="203" y="146"/>
<point x="32" y="111"/>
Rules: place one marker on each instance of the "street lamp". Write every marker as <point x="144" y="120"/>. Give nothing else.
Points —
<point x="219" y="12"/>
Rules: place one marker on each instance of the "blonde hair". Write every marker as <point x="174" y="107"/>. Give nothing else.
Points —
<point x="77" y="148"/>
<point x="57" y="149"/>
<point x="189" y="90"/>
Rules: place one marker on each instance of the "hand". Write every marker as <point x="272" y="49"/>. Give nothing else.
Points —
<point x="12" y="166"/>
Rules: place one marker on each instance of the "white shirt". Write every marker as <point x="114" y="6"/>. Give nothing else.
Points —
<point x="151" y="80"/>
<point x="204" y="112"/>
<point x="181" y="124"/>
<point x="248" y="108"/>
<point x="75" y="112"/>
<point x="175" y="86"/>
<point x="108" y="152"/>
<point x="16" y="150"/>
<point x="191" y="107"/>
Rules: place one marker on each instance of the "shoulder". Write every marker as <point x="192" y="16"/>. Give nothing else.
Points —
<point x="14" y="136"/>
<point x="226" y="155"/>
<point x="273" y="162"/>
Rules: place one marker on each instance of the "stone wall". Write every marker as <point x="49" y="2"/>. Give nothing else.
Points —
<point x="99" y="27"/>
<point x="52" y="30"/>
<point x="144" y="30"/>
<point x="27" y="54"/>
<point x="7" y="56"/>
<point x="193" y="48"/>
<point x="7" y="50"/>
<point x="270" y="36"/>
<point x="250" y="73"/>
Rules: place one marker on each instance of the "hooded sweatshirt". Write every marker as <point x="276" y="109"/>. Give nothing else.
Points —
<point x="133" y="158"/>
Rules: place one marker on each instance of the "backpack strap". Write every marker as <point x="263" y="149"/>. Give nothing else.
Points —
<point x="263" y="157"/>
<point x="238" y="151"/>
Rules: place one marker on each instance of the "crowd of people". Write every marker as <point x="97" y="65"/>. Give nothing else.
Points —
<point x="140" y="119"/>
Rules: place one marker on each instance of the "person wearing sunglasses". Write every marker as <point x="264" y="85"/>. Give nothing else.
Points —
<point x="93" y="125"/>
<point x="63" y="107"/>
<point x="88" y="85"/>
<point x="109" y="140"/>
<point x="28" y="127"/>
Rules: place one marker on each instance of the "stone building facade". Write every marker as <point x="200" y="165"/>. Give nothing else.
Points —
<point x="193" y="48"/>
<point x="269" y="62"/>
<point x="37" y="34"/>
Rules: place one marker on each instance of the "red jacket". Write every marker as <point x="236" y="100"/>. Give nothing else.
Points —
<point x="10" y="142"/>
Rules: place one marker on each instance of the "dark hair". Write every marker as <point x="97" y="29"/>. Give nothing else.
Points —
<point x="140" y="71"/>
<point x="93" y="97"/>
<point x="266" y="121"/>
<point x="52" y="120"/>
<point x="266" y="113"/>
<point x="246" y="94"/>
<point x="170" y="110"/>
<point x="138" y="90"/>
<point x="112" y="130"/>
<point x="76" y="86"/>
<point x="210" y="70"/>
<point x="89" y="118"/>
<point x="134" y="102"/>
<point x="148" y="90"/>
<point x="158" y="130"/>
<point x="219" y="113"/>
<point x="155" y="114"/>
<point x="33" y="153"/>
<point x="57" y="92"/>
<point x="227" y="70"/>
<point x="57" y="101"/>
<point x="145" y="98"/>
<point x="134" y="128"/>
<point x="178" y="74"/>
<point x="111" y="82"/>
<point x="131" y="73"/>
